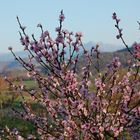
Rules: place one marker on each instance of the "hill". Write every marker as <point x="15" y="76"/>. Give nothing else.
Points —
<point x="8" y="63"/>
<point x="106" y="58"/>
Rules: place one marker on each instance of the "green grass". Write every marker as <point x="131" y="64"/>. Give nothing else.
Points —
<point x="12" y="98"/>
<point x="30" y="84"/>
<point x="23" y="126"/>
<point x="6" y="98"/>
<point x="34" y="106"/>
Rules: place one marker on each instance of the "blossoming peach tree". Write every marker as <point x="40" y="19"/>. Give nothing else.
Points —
<point x="72" y="110"/>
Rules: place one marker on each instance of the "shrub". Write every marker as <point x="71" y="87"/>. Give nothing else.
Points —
<point x="72" y="111"/>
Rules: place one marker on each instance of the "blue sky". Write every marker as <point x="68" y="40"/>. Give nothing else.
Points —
<point x="92" y="17"/>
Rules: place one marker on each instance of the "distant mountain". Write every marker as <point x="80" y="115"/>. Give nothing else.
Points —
<point x="9" y="57"/>
<point x="104" y="47"/>
<point x="13" y="65"/>
<point x="8" y="66"/>
<point x="6" y="57"/>
<point x="7" y="61"/>
<point x="3" y="65"/>
<point x="125" y="49"/>
<point x="106" y="58"/>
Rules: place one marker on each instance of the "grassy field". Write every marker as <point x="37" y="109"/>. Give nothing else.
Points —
<point x="9" y="99"/>
<point x="30" y="84"/>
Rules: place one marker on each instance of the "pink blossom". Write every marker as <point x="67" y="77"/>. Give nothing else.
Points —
<point x="94" y="130"/>
<point x="59" y="39"/>
<point x="114" y="16"/>
<point x="57" y="29"/>
<point x="76" y="49"/>
<point x="61" y="16"/>
<point x="78" y="35"/>
<point x="99" y="84"/>
<point x="45" y="34"/>
<point x="25" y="41"/>
<point x="136" y="48"/>
<point x="116" y="63"/>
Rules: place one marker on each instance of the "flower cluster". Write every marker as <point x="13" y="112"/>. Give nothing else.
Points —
<point x="117" y="25"/>
<point x="75" y="107"/>
<point x="136" y="47"/>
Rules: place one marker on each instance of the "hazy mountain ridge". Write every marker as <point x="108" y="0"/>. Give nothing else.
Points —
<point x="4" y="57"/>
<point x="7" y="61"/>
<point x="103" y="47"/>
